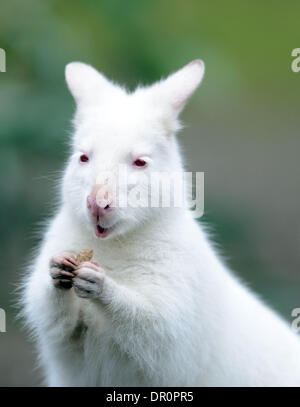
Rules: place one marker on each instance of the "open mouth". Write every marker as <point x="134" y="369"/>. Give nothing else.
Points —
<point x="101" y="232"/>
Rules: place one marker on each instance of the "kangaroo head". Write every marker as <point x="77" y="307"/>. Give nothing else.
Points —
<point x="120" y="139"/>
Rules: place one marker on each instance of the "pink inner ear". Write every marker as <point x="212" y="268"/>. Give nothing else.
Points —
<point x="181" y="99"/>
<point x="184" y="82"/>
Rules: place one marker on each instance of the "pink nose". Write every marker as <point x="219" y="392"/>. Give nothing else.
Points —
<point x="100" y="201"/>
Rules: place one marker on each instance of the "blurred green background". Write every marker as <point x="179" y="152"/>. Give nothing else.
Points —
<point x="242" y="127"/>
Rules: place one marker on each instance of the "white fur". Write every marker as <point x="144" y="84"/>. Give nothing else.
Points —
<point x="169" y="313"/>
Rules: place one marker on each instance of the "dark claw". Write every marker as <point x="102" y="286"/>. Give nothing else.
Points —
<point x="62" y="277"/>
<point x="63" y="267"/>
<point x="64" y="284"/>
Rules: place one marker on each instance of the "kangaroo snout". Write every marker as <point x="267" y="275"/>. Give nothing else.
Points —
<point x="100" y="201"/>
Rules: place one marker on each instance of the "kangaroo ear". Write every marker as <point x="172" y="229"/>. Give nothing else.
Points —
<point x="179" y="86"/>
<point x="85" y="83"/>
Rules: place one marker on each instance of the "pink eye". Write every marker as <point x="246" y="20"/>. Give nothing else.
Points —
<point x="84" y="158"/>
<point x="139" y="162"/>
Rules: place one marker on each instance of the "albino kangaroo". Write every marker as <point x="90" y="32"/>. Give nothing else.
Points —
<point x="155" y="306"/>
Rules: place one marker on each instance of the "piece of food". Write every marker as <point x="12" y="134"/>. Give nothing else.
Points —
<point x="84" y="255"/>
